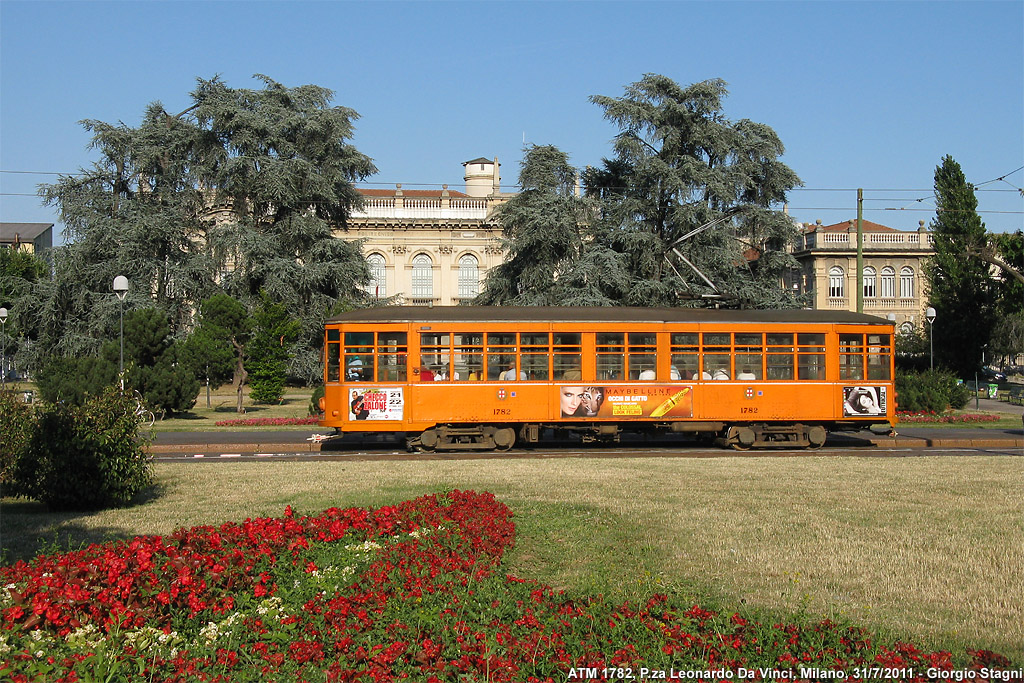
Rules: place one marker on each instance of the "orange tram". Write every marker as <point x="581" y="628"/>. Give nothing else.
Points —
<point x="485" y="378"/>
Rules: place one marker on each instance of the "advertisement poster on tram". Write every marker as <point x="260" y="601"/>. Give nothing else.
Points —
<point x="624" y="402"/>
<point x="860" y="401"/>
<point x="375" y="404"/>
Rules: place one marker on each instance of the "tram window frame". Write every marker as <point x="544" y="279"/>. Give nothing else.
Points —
<point x="642" y="356"/>
<point x="567" y="356"/>
<point x="810" y="356"/>
<point x="685" y="355"/>
<point x="610" y="352"/>
<point x="439" y="347"/>
<point x="467" y="356"/>
<point x="748" y="351"/>
<point x="779" y="352"/>
<point x="501" y="356"/>
<point x="535" y="355"/>
<point x="332" y="360"/>
<point x="716" y="347"/>
<point x="392" y="353"/>
<point x="878" y="348"/>
<point x="851" y="356"/>
<point x="358" y="349"/>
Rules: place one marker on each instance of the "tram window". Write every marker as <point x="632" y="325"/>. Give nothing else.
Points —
<point x="534" y="366"/>
<point x="333" y="351"/>
<point x="501" y="339"/>
<point x="642" y="359"/>
<point x="391" y="356"/>
<point x="717" y="339"/>
<point x="749" y="339"/>
<point x="816" y="340"/>
<point x="780" y="366"/>
<point x="851" y="366"/>
<point x="359" y="367"/>
<point x="535" y="339"/>
<point x="748" y="365"/>
<point x="879" y="352"/>
<point x="434" y="357"/>
<point x="566" y="357"/>
<point x="717" y="366"/>
<point x="851" y="342"/>
<point x="684" y="355"/>
<point x="611" y="359"/>
<point x="468" y="362"/>
<point x="780" y="339"/>
<point x="811" y="366"/>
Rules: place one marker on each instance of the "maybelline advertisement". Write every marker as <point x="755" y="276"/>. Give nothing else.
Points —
<point x="576" y="401"/>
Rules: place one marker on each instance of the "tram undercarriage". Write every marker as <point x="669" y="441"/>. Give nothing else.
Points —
<point x="741" y="437"/>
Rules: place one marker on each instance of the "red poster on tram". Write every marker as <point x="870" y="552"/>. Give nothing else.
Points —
<point x="624" y="402"/>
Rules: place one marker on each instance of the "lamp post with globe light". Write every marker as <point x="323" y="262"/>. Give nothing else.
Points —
<point x="929" y="315"/>
<point x="3" y="348"/>
<point x="121" y="290"/>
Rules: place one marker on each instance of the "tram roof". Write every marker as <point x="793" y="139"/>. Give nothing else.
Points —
<point x="480" y="314"/>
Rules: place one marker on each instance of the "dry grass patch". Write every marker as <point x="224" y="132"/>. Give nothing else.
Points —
<point x="931" y="548"/>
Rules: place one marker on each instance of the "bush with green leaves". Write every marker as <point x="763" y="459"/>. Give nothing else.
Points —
<point x="314" y="401"/>
<point x="73" y="380"/>
<point x="85" y="457"/>
<point x="269" y="350"/>
<point x="17" y="419"/>
<point x="931" y="391"/>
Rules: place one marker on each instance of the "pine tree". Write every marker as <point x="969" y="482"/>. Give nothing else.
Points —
<point x="550" y="259"/>
<point x="679" y="164"/>
<point x="961" y="288"/>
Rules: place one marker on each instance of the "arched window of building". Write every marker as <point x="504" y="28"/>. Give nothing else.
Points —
<point x="469" y="276"/>
<point x="836" y="282"/>
<point x="888" y="282"/>
<point x="870" y="291"/>
<point x="378" y="285"/>
<point x="907" y="282"/>
<point x="422" y="277"/>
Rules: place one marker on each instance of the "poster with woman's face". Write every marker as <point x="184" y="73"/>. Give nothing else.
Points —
<point x="861" y="401"/>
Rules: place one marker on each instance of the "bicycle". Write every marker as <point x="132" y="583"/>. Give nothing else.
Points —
<point x="143" y="414"/>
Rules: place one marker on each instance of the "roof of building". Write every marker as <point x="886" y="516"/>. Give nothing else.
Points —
<point x="409" y="193"/>
<point x="460" y="314"/>
<point x="23" y="231"/>
<point x="867" y="226"/>
<point x="479" y="160"/>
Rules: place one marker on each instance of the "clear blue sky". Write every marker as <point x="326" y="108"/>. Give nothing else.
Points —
<point x="863" y="94"/>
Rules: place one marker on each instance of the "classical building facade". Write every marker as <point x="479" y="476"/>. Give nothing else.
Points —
<point x="431" y="247"/>
<point x="893" y="263"/>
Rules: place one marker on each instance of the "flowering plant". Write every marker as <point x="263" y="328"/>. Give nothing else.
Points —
<point x="405" y="592"/>
<point x="948" y="418"/>
<point x="268" y="421"/>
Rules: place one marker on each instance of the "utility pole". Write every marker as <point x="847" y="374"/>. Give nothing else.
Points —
<point x="860" y="250"/>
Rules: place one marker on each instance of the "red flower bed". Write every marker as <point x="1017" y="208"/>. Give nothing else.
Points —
<point x="407" y="592"/>
<point x="946" y="418"/>
<point x="267" y="421"/>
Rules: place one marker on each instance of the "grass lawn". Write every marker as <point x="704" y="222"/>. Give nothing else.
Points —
<point x="930" y="549"/>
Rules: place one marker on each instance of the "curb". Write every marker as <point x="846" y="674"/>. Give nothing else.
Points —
<point x="268" y="447"/>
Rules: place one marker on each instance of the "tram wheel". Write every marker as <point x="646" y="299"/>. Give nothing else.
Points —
<point x="429" y="439"/>
<point x="816" y="436"/>
<point x="740" y="438"/>
<point x="504" y="438"/>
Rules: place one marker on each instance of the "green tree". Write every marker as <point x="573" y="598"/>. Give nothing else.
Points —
<point x="152" y="363"/>
<point x="268" y="351"/>
<point x="679" y="164"/>
<point x="547" y="241"/>
<point x="242" y="189"/>
<point x="19" y="273"/>
<point x="1008" y="336"/>
<point x="73" y="380"/>
<point x="224" y="328"/>
<point x="211" y="357"/>
<point x="961" y="288"/>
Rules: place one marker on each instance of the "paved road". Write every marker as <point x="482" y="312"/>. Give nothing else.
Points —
<point x="292" y="444"/>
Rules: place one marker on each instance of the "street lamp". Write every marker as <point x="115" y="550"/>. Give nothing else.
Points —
<point x="929" y="315"/>
<point x="3" y="348"/>
<point x="121" y="290"/>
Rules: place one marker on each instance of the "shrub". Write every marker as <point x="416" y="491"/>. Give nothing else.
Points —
<point x="314" y="401"/>
<point x="17" y="419"/>
<point x="85" y="458"/>
<point x="932" y="391"/>
<point x="72" y="380"/>
<point x="168" y="386"/>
